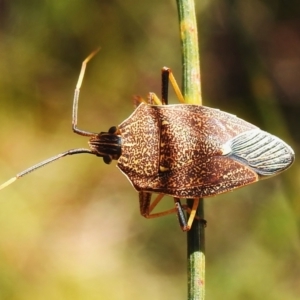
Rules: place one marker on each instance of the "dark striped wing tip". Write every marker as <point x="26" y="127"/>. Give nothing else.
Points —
<point x="263" y="152"/>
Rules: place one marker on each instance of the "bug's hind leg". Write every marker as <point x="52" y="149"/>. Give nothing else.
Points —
<point x="183" y="222"/>
<point x="146" y="207"/>
<point x="192" y="212"/>
<point x="181" y="215"/>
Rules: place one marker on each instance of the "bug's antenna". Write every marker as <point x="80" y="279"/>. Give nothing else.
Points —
<point x="76" y="96"/>
<point x="45" y="162"/>
<point x="74" y="127"/>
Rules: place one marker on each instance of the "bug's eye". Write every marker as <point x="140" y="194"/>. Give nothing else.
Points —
<point x="112" y="129"/>
<point x="107" y="159"/>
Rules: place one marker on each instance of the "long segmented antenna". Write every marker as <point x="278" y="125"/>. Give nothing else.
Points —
<point x="74" y="127"/>
<point x="43" y="163"/>
<point x="76" y="97"/>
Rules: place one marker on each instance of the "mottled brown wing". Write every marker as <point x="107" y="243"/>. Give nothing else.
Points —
<point x="215" y="176"/>
<point x="194" y="151"/>
<point x="209" y="122"/>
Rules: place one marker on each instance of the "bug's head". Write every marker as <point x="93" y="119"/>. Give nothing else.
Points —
<point x="106" y="145"/>
<point x="103" y="144"/>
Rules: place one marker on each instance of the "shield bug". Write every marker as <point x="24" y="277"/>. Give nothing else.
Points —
<point x="185" y="151"/>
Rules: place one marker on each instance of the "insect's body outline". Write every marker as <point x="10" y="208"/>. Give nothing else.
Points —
<point x="185" y="151"/>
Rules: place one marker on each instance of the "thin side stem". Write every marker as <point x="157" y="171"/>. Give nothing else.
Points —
<point x="191" y="89"/>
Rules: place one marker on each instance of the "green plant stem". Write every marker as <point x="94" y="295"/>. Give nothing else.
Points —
<point x="191" y="89"/>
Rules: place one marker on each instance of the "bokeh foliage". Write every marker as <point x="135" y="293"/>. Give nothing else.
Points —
<point x="72" y="230"/>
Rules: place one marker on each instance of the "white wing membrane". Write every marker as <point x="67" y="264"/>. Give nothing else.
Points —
<point x="266" y="154"/>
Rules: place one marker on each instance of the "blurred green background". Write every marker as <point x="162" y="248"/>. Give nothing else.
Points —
<point x="72" y="230"/>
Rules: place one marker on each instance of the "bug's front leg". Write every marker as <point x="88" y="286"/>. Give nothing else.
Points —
<point x="166" y="76"/>
<point x="152" y="99"/>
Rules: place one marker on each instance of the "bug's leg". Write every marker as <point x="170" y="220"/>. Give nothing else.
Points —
<point x="180" y="214"/>
<point x="146" y="207"/>
<point x="165" y="86"/>
<point x="165" y="73"/>
<point x="186" y="224"/>
<point x="153" y="99"/>
<point x="137" y="100"/>
<point x="192" y="212"/>
<point x="168" y="75"/>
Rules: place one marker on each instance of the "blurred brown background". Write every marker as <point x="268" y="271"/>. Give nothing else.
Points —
<point x="72" y="230"/>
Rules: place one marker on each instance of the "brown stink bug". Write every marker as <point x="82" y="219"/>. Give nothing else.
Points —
<point x="185" y="151"/>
